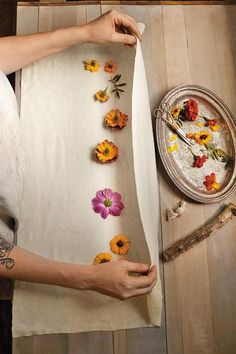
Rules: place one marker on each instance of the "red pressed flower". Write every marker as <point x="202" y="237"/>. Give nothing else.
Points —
<point x="210" y="122"/>
<point x="199" y="161"/>
<point x="210" y="182"/>
<point x="191" y="110"/>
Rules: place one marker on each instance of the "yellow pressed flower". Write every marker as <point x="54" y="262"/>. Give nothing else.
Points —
<point x="216" y="185"/>
<point x="106" y="151"/>
<point x="175" y="112"/>
<point x="202" y="137"/>
<point x="116" y="119"/>
<point x="120" y="244"/>
<point x="173" y="137"/>
<point x="101" y="95"/>
<point x="215" y="128"/>
<point x="199" y="124"/>
<point x="91" y="65"/>
<point x="173" y="148"/>
<point x="102" y="258"/>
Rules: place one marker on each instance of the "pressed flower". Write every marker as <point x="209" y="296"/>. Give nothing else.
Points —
<point x="191" y="110"/>
<point x="210" y="122"/>
<point x="173" y="148"/>
<point x="91" y="65"/>
<point x="102" y="95"/>
<point x="106" y="151"/>
<point x="175" y="112"/>
<point x="199" y="161"/>
<point x="120" y="244"/>
<point x="211" y="183"/>
<point x="173" y="137"/>
<point x="202" y="137"/>
<point x="107" y="202"/>
<point x="215" y="128"/>
<point x="110" y="67"/>
<point x="190" y="135"/>
<point x="199" y="124"/>
<point x="102" y="258"/>
<point x="116" y="119"/>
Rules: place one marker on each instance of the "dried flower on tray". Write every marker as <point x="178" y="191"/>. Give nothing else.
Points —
<point x="198" y="160"/>
<point x="107" y="202"/>
<point x="211" y="123"/>
<point x="116" y="119"/>
<point x="91" y="65"/>
<point x="117" y="87"/>
<point x="173" y="137"/>
<point x="120" y="244"/>
<point x="210" y="182"/>
<point x="173" y="148"/>
<point x="190" y="110"/>
<point x="106" y="151"/>
<point x="202" y="137"/>
<point x="102" y="258"/>
<point x="110" y="67"/>
<point x="102" y="95"/>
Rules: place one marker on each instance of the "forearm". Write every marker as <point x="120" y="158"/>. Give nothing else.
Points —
<point x="17" y="263"/>
<point x="19" y="51"/>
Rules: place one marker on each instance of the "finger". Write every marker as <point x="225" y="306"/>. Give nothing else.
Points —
<point x="136" y="267"/>
<point x="145" y="281"/>
<point x="143" y="291"/>
<point x="124" y="38"/>
<point x="127" y="22"/>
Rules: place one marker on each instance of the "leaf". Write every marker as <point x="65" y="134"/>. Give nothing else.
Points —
<point x="114" y="90"/>
<point x="120" y="90"/>
<point x="117" y="94"/>
<point x="114" y="78"/>
<point x="229" y="164"/>
<point x="122" y="84"/>
<point x="209" y="146"/>
<point x="117" y="78"/>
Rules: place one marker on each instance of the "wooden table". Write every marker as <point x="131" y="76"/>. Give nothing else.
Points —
<point x="181" y="45"/>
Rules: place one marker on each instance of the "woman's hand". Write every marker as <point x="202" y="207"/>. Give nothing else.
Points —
<point x="116" y="279"/>
<point x="112" y="27"/>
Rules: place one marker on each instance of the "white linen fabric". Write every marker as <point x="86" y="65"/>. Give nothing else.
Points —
<point x="10" y="169"/>
<point x="61" y="124"/>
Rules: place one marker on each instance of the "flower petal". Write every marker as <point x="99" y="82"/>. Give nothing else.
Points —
<point x="96" y="201"/>
<point x="115" y="211"/>
<point x="116" y="197"/>
<point x="105" y="213"/>
<point x="99" y="208"/>
<point x="100" y="196"/>
<point x="107" y="192"/>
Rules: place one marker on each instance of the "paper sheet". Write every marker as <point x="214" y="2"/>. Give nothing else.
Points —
<point x="61" y="124"/>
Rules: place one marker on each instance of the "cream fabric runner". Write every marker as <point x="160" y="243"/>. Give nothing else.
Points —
<point x="61" y="124"/>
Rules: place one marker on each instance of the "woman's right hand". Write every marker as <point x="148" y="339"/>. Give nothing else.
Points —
<point x="116" y="279"/>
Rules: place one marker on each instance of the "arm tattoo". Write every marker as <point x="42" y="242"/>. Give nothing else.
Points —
<point x="5" y="250"/>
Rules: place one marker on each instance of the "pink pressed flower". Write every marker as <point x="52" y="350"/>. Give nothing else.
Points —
<point x="106" y="202"/>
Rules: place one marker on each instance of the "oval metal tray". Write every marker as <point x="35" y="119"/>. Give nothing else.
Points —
<point x="179" y="164"/>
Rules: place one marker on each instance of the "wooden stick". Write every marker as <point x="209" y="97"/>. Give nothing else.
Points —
<point x="202" y="233"/>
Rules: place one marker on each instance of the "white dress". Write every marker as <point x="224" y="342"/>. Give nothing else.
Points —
<point x="10" y="168"/>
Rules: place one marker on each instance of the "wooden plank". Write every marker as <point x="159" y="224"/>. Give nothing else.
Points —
<point x="127" y="2"/>
<point x="221" y="248"/>
<point x="91" y="342"/>
<point x="188" y="303"/>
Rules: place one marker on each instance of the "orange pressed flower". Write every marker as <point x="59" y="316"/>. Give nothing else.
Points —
<point x="116" y="119"/>
<point x="102" y="95"/>
<point x="102" y="258"/>
<point x="110" y="67"/>
<point x="120" y="244"/>
<point x="106" y="151"/>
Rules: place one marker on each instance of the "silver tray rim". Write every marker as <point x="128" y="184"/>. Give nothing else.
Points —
<point x="200" y="197"/>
